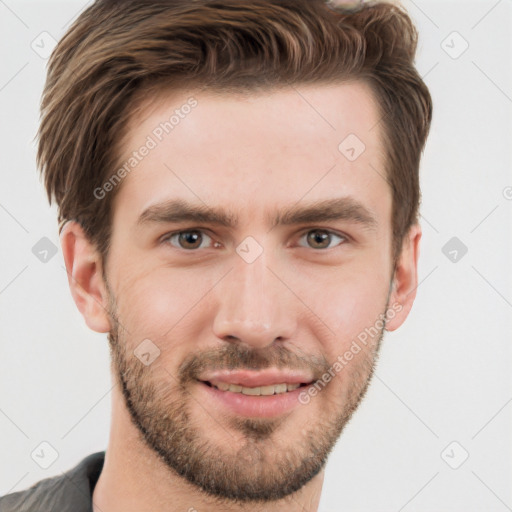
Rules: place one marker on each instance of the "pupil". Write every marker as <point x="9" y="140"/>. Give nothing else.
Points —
<point x="319" y="237"/>
<point x="189" y="237"/>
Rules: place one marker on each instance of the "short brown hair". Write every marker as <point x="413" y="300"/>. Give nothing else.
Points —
<point x="116" y="50"/>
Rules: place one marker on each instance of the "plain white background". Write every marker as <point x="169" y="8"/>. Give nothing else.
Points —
<point x="443" y="377"/>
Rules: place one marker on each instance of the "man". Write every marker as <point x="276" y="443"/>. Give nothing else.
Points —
<point x="238" y="194"/>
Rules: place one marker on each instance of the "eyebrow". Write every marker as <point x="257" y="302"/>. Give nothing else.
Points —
<point x="342" y="208"/>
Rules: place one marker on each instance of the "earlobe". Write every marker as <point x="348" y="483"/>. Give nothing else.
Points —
<point x="405" y="280"/>
<point x="84" y="270"/>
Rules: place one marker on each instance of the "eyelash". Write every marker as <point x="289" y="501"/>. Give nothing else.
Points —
<point x="167" y="237"/>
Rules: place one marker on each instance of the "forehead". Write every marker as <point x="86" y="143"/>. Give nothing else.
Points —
<point x="254" y="151"/>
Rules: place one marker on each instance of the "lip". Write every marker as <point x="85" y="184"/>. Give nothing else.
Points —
<point x="251" y="379"/>
<point x="252" y="406"/>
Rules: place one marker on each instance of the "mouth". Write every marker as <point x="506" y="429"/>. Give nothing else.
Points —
<point x="268" y="401"/>
<point x="274" y="389"/>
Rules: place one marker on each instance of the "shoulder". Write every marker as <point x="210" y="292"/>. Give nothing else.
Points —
<point x="71" y="491"/>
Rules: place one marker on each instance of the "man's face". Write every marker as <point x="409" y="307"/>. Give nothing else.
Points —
<point x="251" y="296"/>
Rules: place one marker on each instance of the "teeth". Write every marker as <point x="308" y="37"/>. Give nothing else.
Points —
<point x="275" y="389"/>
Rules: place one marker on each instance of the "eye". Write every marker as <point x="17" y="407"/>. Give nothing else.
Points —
<point x="188" y="240"/>
<point x="321" y="238"/>
<point x="192" y="239"/>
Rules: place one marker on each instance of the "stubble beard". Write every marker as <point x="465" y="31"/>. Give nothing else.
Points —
<point x="256" y="471"/>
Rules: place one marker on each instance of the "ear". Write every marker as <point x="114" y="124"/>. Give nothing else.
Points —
<point x="84" y="269"/>
<point x="405" y="279"/>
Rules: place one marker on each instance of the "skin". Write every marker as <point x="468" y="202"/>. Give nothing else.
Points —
<point x="298" y="305"/>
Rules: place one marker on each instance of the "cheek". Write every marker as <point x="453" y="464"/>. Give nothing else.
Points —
<point x="348" y="304"/>
<point x="159" y="303"/>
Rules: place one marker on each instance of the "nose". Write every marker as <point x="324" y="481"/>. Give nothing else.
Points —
<point x="255" y="306"/>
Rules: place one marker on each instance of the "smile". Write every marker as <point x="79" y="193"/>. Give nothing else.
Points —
<point x="275" y="389"/>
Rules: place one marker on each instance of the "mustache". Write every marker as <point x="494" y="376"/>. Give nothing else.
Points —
<point x="238" y="357"/>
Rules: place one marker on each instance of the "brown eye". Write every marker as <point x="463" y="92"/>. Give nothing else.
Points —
<point x="188" y="240"/>
<point x="321" y="238"/>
